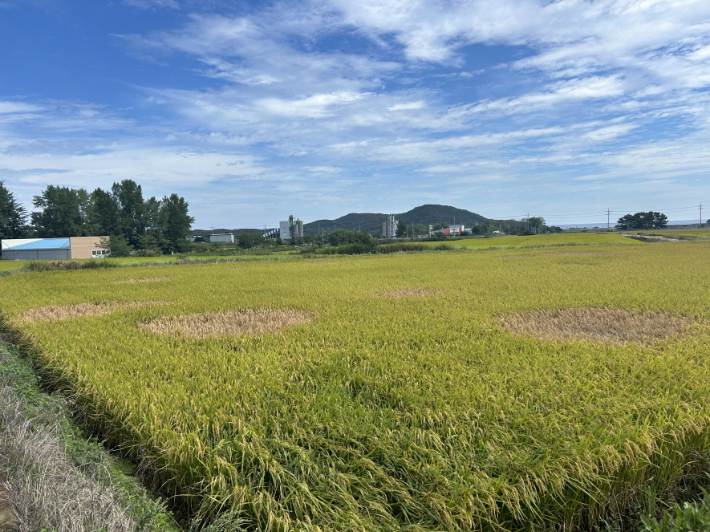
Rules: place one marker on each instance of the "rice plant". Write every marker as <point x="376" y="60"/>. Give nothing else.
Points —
<point x="402" y="402"/>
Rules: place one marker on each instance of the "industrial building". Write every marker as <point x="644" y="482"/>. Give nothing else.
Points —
<point x="74" y="247"/>
<point x="454" y="230"/>
<point x="291" y="228"/>
<point x="223" y="237"/>
<point x="389" y="227"/>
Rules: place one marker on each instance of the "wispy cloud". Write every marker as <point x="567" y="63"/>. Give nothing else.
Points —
<point x="148" y="4"/>
<point x="334" y="103"/>
<point x="8" y="107"/>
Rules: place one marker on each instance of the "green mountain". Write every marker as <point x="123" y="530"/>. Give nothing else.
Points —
<point x="372" y="222"/>
<point x="431" y="214"/>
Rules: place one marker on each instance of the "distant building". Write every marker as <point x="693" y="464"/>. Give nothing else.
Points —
<point x="389" y="227"/>
<point x="74" y="247"/>
<point x="291" y="228"/>
<point x="223" y="237"/>
<point x="454" y="230"/>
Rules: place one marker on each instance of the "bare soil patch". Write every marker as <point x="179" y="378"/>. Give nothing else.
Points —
<point x="144" y="280"/>
<point x="229" y="323"/>
<point x="603" y="325"/>
<point x="403" y="293"/>
<point x="64" y="312"/>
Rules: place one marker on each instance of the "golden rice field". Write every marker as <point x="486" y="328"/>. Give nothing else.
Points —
<point x="505" y="390"/>
<point x="692" y="233"/>
<point x="6" y="265"/>
<point x="561" y="239"/>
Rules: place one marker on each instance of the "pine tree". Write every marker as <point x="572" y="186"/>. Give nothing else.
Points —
<point x="13" y="216"/>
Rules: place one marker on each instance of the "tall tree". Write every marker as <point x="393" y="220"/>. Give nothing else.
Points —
<point x="176" y="222"/>
<point x="103" y="213"/>
<point x="642" y="220"/>
<point x="154" y="239"/>
<point x="401" y="229"/>
<point x="13" y="216"/>
<point x="62" y="212"/>
<point x="128" y="196"/>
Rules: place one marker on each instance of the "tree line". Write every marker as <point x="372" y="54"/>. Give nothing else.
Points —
<point x="642" y="220"/>
<point x="148" y="226"/>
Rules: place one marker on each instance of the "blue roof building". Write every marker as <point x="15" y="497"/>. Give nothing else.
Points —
<point x="81" y="247"/>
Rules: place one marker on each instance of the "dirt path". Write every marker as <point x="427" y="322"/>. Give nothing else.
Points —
<point x="652" y="238"/>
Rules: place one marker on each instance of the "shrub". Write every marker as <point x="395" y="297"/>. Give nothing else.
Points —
<point x="691" y="517"/>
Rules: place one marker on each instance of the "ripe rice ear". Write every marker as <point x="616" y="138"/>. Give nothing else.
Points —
<point x="228" y="323"/>
<point x="603" y="325"/>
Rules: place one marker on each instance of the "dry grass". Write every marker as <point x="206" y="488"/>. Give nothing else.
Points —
<point x="8" y="522"/>
<point x="403" y="293"/>
<point x="64" y="312"/>
<point x="228" y="323"/>
<point x="144" y="280"/>
<point x="603" y="325"/>
<point x="47" y="491"/>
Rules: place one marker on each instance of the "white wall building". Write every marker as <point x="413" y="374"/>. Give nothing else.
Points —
<point x="389" y="227"/>
<point x="291" y="228"/>
<point x="223" y="237"/>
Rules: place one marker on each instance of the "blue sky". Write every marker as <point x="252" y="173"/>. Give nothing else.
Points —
<point x="254" y="111"/>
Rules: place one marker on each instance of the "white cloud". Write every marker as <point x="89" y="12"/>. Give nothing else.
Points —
<point x="19" y="107"/>
<point x="561" y="92"/>
<point x="610" y="132"/>
<point x="407" y="106"/>
<point x="315" y="106"/>
<point x="379" y="92"/>
<point x="147" y="4"/>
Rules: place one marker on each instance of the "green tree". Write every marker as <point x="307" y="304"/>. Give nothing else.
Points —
<point x="13" y="216"/>
<point x="343" y="236"/>
<point x="62" y="212"/>
<point x="401" y="229"/>
<point x="153" y="240"/>
<point x="250" y="240"/>
<point x="102" y="216"/>
<point x="534" y="224"/>
<point x="660" y="220"/>
<point x="176" y="223"/>
<point x="117" y="245"/>
<point x="340" y="237"/>
<point x="128" y="196"/>
<point x="642" y="220"/>
<point x="480" y="229"/>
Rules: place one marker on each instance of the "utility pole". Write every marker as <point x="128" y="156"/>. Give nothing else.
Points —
<point x="701" y="215"/>
<point x="608" y="214"/>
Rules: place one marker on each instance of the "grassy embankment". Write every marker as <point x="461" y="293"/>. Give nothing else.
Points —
<point x="399" y="401"/>
<point x="52" y="477"/>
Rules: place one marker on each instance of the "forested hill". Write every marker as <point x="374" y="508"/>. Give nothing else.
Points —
<point x="431" y="214"/>
<point x="372" y="222"/>
<point x="359" y="221"/>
